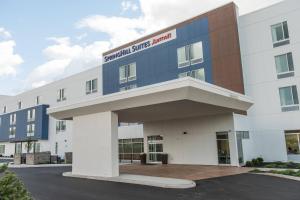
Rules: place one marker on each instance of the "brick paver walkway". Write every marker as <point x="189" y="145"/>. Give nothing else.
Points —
<point x="190" y="172"/>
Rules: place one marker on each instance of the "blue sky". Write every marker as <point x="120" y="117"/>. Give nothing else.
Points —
<point x="42" y="41"/>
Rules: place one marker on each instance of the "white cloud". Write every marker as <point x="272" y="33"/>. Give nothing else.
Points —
<point x="129" y="5"/>
<point x="65" y="58"/>
<point x="4" y="33"/>
<point x="156" y="14"/>
<point x="9" y="61"/>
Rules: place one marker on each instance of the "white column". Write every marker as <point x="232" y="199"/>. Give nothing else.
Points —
<point x="95" y="145"/>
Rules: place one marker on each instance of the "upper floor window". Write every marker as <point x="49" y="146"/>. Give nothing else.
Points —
<point x="284" y="65"/>
<point x="197" y="74"/>
<point x="13" y="119"/>
<point x="190" y="54"/>
<point x="60" y="125"/>
<point x="289" y="98"/>
<point x="127" y="73"/>
<point x="37" y="100"/>
<point x="30" y="115"/>
<point x="61" y="95"/>
<point x="91" y="86"/>
<point x="19" y="105"/>
<point x="12" y="132"/>
<point x="4" y="109"/>
<point x="30" y="130"/>
<point x="280" y="34"/>
<point x="127" y="87"/>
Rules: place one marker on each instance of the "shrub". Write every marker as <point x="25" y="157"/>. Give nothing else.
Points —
<point x="3" y="168"/>
<point x="249" y="164"/>
<point x="255" y="162"/>
<point x="11" y="187"/>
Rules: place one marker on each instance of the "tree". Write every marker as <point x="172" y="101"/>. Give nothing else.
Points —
<point x="11" y="188"/>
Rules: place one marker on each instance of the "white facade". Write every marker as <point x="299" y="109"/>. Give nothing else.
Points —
<point x="191" y="140"/>
<point x="75" y="89"/>
<point x="267" y="121"/>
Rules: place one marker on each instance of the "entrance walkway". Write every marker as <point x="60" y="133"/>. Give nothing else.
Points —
<point x="189" y="172"/>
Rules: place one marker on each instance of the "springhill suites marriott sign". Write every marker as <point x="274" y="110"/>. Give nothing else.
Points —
<point x="146" y="44"/>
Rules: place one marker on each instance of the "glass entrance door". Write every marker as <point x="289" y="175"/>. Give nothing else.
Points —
<point x="155" y="148"/>
<point x="223" y="148"/>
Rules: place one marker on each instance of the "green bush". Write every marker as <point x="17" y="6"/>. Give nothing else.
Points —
<point x="11" y="188"/>
<point x="249" y="164"/>
<point x="3" y="168"/>
<point x="255" y="162"/>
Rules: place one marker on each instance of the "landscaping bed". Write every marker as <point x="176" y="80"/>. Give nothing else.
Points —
<point x="259" y="162"/>
<point x="295" y="173"/>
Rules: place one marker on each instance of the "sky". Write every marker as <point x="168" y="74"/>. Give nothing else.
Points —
<point x="44" y="41"/>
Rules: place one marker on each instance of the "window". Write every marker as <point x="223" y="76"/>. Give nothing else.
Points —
<point x="244" y="134"/>
<point x="61" y="95"/>
<point x="13" y="119"/>
<point x="56" y="148"/>
<point x="197" y="74"/>
<point x="128" y="87"/>
<point x="19" y="105"/>
<point x="30" y="130"/>
<point x="190" y="54"/>
<point x="280" y="34"/>
<point x="284" y="65"/>
<point x="2" y="149"/>
<point x="37" y="147"/>
<point x="4" y="109"/>
<point x="223" y="148"/>
<point x="127" y="73"/>
<point x="196" y="53"/>
<point x="292" y="140"/>
<point x="183" y="56"/>
<point x="289" y="98"/>
<point x="12" y="132"/>
<point x="130" y="149"/>
<point x="60" y="125"/>
<point x="31" y="115"/>
<point x="91" y="86"/>
<point x="0" y="121"/>
<point x="37" y="100"/>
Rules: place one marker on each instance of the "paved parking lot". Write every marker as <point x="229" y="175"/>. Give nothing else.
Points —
<point x="48" y="184"/>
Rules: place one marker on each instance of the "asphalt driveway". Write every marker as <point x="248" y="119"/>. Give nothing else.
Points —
<point x="48" y="184"/>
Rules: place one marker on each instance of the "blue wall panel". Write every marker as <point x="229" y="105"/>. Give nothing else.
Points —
<point x="41" y="125"/>
<point x="159" y="63"/>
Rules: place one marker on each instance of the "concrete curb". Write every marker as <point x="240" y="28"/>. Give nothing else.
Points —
<point x="36" y="166"/>
<point x="275" y="169"/>
<point x="280" y="176"/>
<point x="142" y="180"/>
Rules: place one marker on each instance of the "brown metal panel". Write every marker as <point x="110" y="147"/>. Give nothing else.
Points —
<point x="225" y="49"/>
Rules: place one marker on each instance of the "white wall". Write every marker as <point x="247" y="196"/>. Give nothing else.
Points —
<point x="260" y="79"/>
<point x="199" y="145"/>
<point x="131" y="131"/>
<point x="95" y="145"/>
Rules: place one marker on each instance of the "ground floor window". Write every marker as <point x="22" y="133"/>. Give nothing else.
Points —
<point x="18" y="148"/>
<point x="37" y="147"/>
<point x="155" y="148"/>
<point x="292" y="140"/>
<point x="2" y="149"/>
<point x="223" y="148"/>
<point x="56" y="148"/>
<point x="130" y="149"/>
